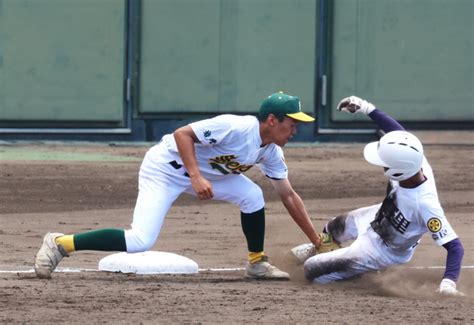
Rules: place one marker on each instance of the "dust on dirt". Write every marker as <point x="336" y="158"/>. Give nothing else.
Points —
<point x="70" y="197"/>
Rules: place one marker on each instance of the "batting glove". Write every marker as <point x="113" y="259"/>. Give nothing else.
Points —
<point x="354" y="105"/>
<point x="448" y="287"/>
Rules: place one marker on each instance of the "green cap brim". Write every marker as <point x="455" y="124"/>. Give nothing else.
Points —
<point x="300" y="116"/>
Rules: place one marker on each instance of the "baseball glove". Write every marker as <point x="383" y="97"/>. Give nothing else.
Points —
<point x="327" y="244"/>
<point x="305" y="251"/>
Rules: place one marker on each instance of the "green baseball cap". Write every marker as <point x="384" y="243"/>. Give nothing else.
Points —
<point x="281" y="104"/>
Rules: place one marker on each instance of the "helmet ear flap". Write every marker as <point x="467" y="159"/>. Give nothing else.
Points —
<point x="397" y="175"/>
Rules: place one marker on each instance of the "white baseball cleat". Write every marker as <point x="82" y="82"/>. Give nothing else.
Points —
<point x="265" y="271"/>
<point x="303" y="252"/>
<point x="49" y="256"/>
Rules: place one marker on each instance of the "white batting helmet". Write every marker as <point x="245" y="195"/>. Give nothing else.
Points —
<point x="399" y="151"/>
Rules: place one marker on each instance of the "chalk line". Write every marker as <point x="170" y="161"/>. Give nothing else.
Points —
<point x="79" y="270"/>
<point x="231" y="269"/>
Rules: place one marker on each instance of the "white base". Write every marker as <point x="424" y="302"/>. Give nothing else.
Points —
<point x="149" y="262"/>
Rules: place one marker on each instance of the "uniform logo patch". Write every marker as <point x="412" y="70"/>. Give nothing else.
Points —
<point x="207" y="134"/>
<point x="434" y="224"/>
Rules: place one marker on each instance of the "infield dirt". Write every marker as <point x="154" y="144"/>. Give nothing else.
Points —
<point x="40" y="196"/>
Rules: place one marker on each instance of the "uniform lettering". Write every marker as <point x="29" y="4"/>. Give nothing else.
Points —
<point x="233" y="165"/>
<point x="388" y="217"/>
<point x="244" y="168"/>
<point x="223" y="159"/>
<point x="399" y="222"/>
<point x="219" y="168"/>
<point x="226" y="164"/>
<point x="443" y="233"/>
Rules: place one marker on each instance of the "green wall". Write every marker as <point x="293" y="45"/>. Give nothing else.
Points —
<point x="61" y="60"/>
<point x="413" y="58"/>
<point x="64" y="62"/>
<point x="225" y="55"/>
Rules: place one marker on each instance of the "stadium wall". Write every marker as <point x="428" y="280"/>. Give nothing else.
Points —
<point x="134" y="70"/>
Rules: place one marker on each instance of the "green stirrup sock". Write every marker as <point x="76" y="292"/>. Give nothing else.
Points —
<point x="253" y="225"/>
<point x="101" y="240"/>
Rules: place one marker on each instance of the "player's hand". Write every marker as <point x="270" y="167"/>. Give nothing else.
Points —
<point x="448" y="287"/>
<point x="353" y="105"/>
<point x="202" y="187"/>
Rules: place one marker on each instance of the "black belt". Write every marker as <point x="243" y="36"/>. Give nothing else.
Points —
<point x="175" y="165"/>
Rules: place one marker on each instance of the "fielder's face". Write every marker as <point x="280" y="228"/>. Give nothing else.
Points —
<point x="283" y="131"/>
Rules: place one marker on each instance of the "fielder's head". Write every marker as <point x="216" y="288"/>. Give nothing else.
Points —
<point x="399" y="152"/>
<point x="281" y="105"/>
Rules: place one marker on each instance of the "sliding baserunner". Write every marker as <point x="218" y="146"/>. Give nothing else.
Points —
<point x="387" y="234"/>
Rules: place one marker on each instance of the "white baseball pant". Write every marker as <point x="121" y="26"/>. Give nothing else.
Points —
<point x="160" y="184"/>
<point x="367" y="253"/>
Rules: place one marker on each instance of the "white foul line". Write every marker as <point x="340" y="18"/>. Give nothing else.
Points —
<point x="223" y="269"/>
<point x="61" y="270"/>
<point x="438" y="267"/>
<point x="78" y="270"/>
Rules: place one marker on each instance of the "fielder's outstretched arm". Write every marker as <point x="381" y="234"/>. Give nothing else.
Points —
<point x="296" y="208"/>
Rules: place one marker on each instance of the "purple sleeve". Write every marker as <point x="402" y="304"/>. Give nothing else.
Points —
<point x="454" y="259"/>
<point x="385" y="122"/>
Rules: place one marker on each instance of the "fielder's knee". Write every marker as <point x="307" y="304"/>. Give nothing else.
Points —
<point x="138" y="241"/>
<point x="253" y="200"/>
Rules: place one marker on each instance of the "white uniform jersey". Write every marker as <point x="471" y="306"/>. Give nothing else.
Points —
<point x="229" y="144"/>
<point x="384" y="234"/>
<point x="408" y="213"/>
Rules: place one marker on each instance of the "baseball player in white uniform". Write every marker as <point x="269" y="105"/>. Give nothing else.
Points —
<point x="206" y="159"/>
<point x="387" y="234"/>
